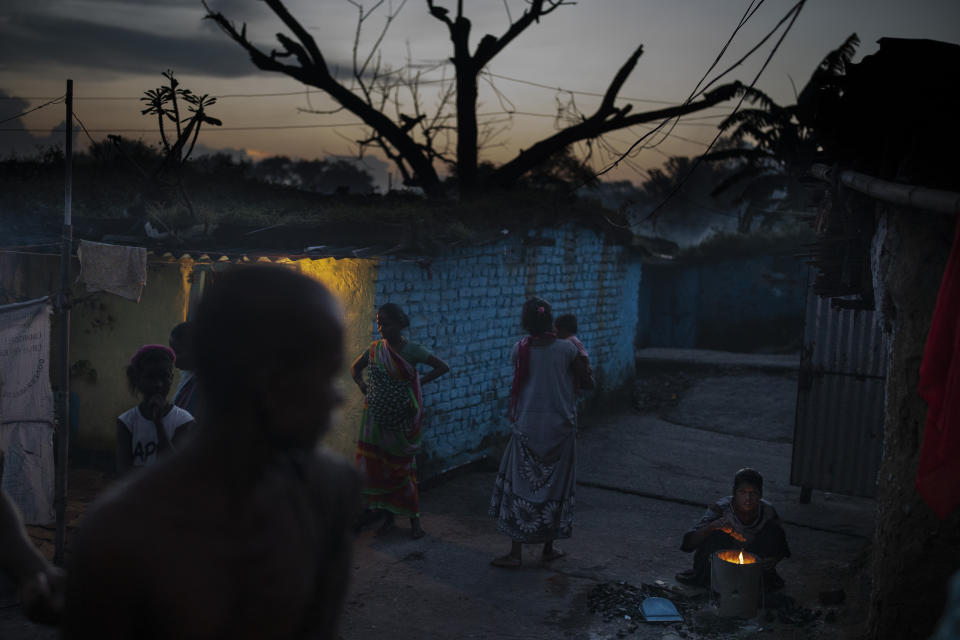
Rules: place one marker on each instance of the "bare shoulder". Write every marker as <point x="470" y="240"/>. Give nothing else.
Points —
<point x="332" y="479"/>
<point x="105" y="566"/>
<point x="317" y="483"/>
<point x="113" y="512"/>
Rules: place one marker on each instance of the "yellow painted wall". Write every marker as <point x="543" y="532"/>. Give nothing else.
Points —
<point x="107" y="329"/>
<point x="354" y="283"/>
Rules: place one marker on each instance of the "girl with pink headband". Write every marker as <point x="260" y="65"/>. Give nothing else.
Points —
<point x="154" y="428"/>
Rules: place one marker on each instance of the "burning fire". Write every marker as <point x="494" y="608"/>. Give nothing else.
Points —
<point x="734" y="557"/>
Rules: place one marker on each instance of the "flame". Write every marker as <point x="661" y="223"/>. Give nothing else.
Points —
<point x="733" y="534"/>
<point x="734" y="557"/>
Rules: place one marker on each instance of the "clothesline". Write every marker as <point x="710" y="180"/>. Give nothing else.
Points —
<point x="166" y="256"/>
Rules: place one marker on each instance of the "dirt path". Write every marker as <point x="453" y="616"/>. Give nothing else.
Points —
<point x="644" y="477"/>
<point x="643" y="480"/>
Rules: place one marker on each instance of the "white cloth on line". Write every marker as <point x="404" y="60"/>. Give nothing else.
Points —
<point x="115" y="268"/>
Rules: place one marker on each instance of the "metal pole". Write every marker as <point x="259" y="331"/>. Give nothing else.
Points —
<point x="63" y="418"/>
<point x="936" y="200"/>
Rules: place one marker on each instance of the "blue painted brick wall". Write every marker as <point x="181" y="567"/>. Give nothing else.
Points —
<point x="466" y="309"/>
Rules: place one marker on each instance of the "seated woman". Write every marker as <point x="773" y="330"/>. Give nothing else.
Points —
<point x="742" y="521"/>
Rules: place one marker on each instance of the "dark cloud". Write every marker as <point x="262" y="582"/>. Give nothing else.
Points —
<point x="239" y="11"/>
<point x="33" y="40"/>
<point x="15" y="140"/>
<point x="26" y="41"/>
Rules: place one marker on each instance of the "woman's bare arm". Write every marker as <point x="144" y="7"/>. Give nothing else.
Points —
<point x="439" y="367"/>
<point x="356" y="371"/>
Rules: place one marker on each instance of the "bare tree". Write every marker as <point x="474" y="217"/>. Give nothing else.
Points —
<point x="415" y="155"/>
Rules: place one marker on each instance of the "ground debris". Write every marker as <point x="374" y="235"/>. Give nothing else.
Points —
<point x="785" y="610"/>
<point x="621" y="600"/>
<point x="618" y="603"/>
<point x="615" y="600"/>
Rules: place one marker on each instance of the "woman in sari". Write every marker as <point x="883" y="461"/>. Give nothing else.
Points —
<point x="390" y="435"/>
<point x="533" y="497"/>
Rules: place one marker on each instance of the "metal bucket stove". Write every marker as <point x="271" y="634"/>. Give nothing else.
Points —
<point x="736" y="581"/>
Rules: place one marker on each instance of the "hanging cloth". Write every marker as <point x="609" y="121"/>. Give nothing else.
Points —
<point x="938" y="474"/>
<point x="113" y="268"/>
<point x="26" y="409"/>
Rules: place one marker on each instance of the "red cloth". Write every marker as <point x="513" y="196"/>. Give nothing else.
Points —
<point x="938" y="471"/>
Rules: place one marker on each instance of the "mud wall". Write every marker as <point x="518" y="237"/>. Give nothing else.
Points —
<point x="914" y="552"/>
<point x="353" y="282"/>
<point x="106" y="329"/>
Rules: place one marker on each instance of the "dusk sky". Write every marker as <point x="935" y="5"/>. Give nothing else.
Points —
<point x="118" y="48"/>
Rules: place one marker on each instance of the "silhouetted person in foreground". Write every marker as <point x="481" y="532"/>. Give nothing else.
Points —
<point x="743" y="521"/>
<point x="245" y="532"/>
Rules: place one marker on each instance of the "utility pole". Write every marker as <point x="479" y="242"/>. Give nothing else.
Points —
<point x="63" y="304"/>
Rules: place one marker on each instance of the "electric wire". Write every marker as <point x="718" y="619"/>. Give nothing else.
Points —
<point x="82" y="126"/>
<point x="749" y="13"/>
<point x="47" y="104"/>
<point x="331" y="125"/>
<point x="795" y="11"/>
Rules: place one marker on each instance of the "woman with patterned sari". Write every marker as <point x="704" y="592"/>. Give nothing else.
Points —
<point x="390" y="434"/>
<point x="533" y="497"/>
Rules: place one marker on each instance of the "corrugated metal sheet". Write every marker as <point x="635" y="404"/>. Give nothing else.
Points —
<point x="843" y="341"/>
<point x="838" y="437"/>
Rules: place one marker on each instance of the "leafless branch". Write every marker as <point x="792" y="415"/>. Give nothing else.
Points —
<point x="312" y="70"/>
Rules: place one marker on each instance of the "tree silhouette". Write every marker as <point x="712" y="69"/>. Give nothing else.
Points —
<point x="180" y="114"/>
<point x="776" y="144"/>
<point x="413" y="141"/>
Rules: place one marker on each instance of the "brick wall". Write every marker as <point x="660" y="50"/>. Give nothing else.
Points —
<point x="465" y="306"/>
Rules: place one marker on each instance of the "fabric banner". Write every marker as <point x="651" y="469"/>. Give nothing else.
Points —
<point x="26" y="408"/>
